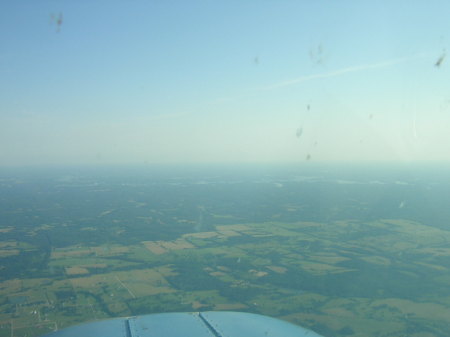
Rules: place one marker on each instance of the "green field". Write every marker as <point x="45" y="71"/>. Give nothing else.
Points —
<point x="380" y="278"/>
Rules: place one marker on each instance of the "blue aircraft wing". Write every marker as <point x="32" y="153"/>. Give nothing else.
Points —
<point x="195" y="324"/>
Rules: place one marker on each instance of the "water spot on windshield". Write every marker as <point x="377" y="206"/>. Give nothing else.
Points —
<point x="57" y="19"/>
<point x="441" y="59"/>
<point x="317" y="54"/>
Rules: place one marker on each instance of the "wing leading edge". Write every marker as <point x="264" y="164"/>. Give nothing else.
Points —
<point x="195" y="324"/>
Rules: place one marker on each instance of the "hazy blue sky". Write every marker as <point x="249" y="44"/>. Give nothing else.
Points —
<point x="213" y="81"/>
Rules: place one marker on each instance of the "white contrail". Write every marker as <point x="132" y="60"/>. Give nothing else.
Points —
<point x="334" y="73"/>
<point x="343" y="71"/>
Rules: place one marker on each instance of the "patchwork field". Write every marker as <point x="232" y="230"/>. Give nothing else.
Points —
<point x="340" y="279"/>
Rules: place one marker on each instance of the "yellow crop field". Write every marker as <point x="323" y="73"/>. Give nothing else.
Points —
<point x="76" y="271"/>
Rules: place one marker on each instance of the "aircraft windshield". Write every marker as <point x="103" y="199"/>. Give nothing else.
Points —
<point x="285" y="158"/>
